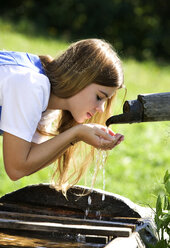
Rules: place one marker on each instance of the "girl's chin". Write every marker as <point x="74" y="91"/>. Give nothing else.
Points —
<point x="80" y="121"/>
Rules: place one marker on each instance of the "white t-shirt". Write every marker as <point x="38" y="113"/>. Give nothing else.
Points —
<point x="24" y="96"/>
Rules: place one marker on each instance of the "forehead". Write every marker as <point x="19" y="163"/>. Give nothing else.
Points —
<point x="105" y="90"/>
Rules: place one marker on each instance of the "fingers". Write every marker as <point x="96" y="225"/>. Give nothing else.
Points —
<point x="99" y="136"/>
<point x="108" y="145"/>
<point x="119" y="139"/>
<point x="111" y="132"/>
<point x="108" y="130"/>
<point x="102" y="133"/>
<point x="107" y="138"/>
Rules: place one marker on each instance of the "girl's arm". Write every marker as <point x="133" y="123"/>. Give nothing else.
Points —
<point x="21" y="158"/>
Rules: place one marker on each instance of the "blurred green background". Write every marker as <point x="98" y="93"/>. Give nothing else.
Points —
<point x="137" y="28"/>
<point x="139" y="31"/>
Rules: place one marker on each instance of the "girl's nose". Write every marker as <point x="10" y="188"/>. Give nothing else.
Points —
<point x="100" y="107"/>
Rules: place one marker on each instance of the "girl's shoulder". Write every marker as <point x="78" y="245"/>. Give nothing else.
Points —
<point x="21" y="59"/>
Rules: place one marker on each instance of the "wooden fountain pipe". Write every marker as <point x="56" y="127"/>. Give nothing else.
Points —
<point x="146" y="108"/>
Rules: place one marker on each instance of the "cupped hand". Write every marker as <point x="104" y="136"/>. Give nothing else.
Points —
<point x="99" y="136"/>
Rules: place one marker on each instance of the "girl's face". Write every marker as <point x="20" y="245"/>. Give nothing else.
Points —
<point x="88" y="101"/>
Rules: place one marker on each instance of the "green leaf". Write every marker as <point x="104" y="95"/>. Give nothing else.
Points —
<point x="167" y="182"/>
<point x="166" y="220"/>
<point x="166" y="202"/>
<point x="167" y="186"/>
<point x="166" y="177"/>
<point x="160" y="244"/>
<point x="159" y="206"/>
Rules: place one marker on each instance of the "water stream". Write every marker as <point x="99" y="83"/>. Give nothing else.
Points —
<point x="99" y="165"/>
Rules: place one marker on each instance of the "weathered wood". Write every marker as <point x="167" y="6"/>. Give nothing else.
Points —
<point x="147" y="108"/>
<point x="43" y="196"/>
<point x="156" y="107"/>
<point x="63" y="220"/>
<point x="43" y="209"/>
<point x="65" y="228"/>
<point x="15" y="241"/>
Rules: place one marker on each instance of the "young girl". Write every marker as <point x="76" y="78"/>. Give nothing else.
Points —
<point x="80" y="85"/>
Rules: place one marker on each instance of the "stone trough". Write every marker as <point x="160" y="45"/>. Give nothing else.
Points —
<point x="39" y="216"/>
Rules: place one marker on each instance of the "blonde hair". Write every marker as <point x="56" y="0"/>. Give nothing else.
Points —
<point x="83" y="63"/>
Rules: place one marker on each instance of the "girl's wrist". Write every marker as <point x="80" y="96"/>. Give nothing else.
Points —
<point x="76" y="134"/>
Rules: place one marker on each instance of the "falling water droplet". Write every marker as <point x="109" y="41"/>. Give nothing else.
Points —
<point x="86" y="213"/>
<point x="103" y="168"/>
<point x="89" y="200"/>
<point x="98" y="213"/>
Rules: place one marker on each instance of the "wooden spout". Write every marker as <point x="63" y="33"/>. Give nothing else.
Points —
<point x="132" y="112"/>
<point x="147" y="108"/>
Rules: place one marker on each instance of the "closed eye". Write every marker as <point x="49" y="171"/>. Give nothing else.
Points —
<point x="98" y="98"/>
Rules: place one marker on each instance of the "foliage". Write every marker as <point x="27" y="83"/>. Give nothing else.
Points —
<point x="136" y="28"/>
<point x="162" y="216"/>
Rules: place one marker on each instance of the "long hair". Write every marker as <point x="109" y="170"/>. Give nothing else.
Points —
<point x="83" y="63"/>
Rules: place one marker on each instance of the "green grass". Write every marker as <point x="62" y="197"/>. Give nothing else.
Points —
<point x="135" y="168"/>
<point x="37" y="44"/>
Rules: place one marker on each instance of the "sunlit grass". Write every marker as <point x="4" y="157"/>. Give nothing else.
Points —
<point x="135" y="168"/>
<point x="11" y="40"/>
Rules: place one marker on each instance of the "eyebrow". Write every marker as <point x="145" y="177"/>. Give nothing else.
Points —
<point x="104" y="93"/>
